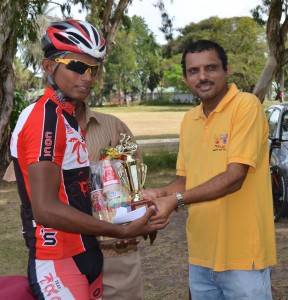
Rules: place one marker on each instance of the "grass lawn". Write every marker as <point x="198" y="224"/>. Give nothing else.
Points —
<point x="154" y="121"/>
<point x="150" y="121"/>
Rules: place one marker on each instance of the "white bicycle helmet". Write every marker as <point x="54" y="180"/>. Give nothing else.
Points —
<point x="73" y="36"/>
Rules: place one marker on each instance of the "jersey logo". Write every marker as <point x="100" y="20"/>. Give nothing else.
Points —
<point x="49" y="237"/>
<point x="81" y="187"/>
<point x="51" y="286"/>
<point x="78" y="146"/>
<point x="48" y="143"/>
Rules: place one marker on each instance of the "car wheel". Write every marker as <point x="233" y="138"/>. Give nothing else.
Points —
<point x="279" y="191"/>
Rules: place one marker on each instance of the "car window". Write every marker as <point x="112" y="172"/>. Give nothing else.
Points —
<point x="284" y="126"/>
<point x="273" y="122"/>
<point x="268" y="112"/>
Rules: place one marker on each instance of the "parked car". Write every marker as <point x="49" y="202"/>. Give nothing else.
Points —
<point x="277" y="116"/>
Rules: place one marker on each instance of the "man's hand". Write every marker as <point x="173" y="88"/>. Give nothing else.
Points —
<point x="165" y="206"/>
<point x="143" y="226"/>
<point x="149" y="194"/>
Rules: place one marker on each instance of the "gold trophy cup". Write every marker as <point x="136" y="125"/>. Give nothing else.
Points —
<point x="132" y="172"/>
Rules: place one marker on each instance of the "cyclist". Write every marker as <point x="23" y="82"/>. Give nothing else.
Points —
<point x="51" y="160"/>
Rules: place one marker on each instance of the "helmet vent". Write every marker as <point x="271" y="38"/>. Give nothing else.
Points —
<point x="60" y="27"/>
<point x="84" y="28"/>
<point x="95" y="35"/>
<point x="73" y="39"/>
<point x="80" y="39"/>
<point x="62" y="39"/>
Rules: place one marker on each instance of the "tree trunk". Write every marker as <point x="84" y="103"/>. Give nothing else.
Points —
<point x="265" y="80"/>
<point x="103" y="10"/>
<point x="7" y="51"/>
<point x="276" y="32"/>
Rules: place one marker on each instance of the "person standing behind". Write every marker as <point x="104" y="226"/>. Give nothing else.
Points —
<point x="51" y="165"/>
<point x="224" y="179"/>
<point x="122" y="278"/>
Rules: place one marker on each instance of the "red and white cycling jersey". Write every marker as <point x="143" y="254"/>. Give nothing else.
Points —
<point x="48" y="131"/>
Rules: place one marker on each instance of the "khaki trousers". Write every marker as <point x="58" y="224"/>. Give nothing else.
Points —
<point x="122" y="278"/>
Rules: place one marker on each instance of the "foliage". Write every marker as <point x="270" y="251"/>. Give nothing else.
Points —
<point x="246" y="50"/>
<point x="22" y="74"/>
<point x="259" y="12"/>
<point x="148" y="54"/>
<point x="121" y="66"/>
<point x="241" y="37"/>
<point x="19" y="103"/>
<point x="173" y="75"/>
<point x="132" y="66"/>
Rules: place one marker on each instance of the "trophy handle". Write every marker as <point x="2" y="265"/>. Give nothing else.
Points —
<point x="132" y="175"/>
<point x="123" y="176"/>
<point x="144" y="172"/>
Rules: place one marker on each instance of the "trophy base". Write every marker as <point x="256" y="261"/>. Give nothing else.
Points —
<point x="140" y="203"/>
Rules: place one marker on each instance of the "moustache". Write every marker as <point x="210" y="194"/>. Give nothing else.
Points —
<point x="205" y="82"/>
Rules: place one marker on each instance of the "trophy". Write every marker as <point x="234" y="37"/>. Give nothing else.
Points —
<point x="132" y="172"/>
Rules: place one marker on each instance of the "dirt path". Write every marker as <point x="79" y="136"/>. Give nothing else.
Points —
<point x="280" y="272"/>
<point x="165" y="267"/>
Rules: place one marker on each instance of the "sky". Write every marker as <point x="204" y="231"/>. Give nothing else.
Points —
<point x="186" y="11"/>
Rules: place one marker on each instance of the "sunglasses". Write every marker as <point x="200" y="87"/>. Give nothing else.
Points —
<point x="78" y="66"/>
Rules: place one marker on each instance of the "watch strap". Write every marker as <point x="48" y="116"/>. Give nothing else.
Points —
<point x="180" y="205"/>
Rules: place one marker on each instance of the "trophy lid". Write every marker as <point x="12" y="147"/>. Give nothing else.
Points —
<point x="125" y="147"/>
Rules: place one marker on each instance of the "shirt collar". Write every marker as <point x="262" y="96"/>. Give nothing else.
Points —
<point x="232" y="92"/>
<point x="65" y="105"/>
<point x="91" y="115"/>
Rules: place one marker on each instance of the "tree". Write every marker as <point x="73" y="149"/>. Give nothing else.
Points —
<point x="241" y="37"/>
<point x="109" y="15"/>
<point x="121" y="67"/>
<point x="244" y="42"/>
<point x="30" y="51"/>
<point x="148" y="55"/>
<point x="276" y="33"/>
<point x="173" y="75"/>
<point x="133" y="64"/>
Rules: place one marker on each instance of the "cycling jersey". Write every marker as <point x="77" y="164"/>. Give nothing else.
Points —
<point x="48" y="131"/>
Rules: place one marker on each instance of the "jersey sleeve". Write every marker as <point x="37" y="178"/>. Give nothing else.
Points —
<point x="248" y="133"/>
<point x="44" y="137"/>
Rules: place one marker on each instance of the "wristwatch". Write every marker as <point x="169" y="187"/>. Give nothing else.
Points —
<point x="180" y="205"/>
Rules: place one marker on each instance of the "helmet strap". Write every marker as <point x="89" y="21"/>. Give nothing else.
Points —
<point x="50" y="79"/>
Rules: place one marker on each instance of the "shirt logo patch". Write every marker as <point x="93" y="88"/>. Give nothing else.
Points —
<point x="79" y="147"/>
<point x="220" y="142"/>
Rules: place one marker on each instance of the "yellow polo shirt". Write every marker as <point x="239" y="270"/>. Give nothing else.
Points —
<point x="235" y="232"/>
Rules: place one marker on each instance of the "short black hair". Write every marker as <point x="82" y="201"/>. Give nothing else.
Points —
<point x="52" y="53"/>
<point x="204" y="45"/>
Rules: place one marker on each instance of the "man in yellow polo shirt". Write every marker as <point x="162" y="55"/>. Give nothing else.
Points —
<point x="223" y="177"/>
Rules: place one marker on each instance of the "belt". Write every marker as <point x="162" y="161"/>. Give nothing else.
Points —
<point x="111" y="250"/>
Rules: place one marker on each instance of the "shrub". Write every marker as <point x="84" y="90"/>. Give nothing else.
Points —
<point x="19" y="103"/>
<point x="160" y="161"/>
